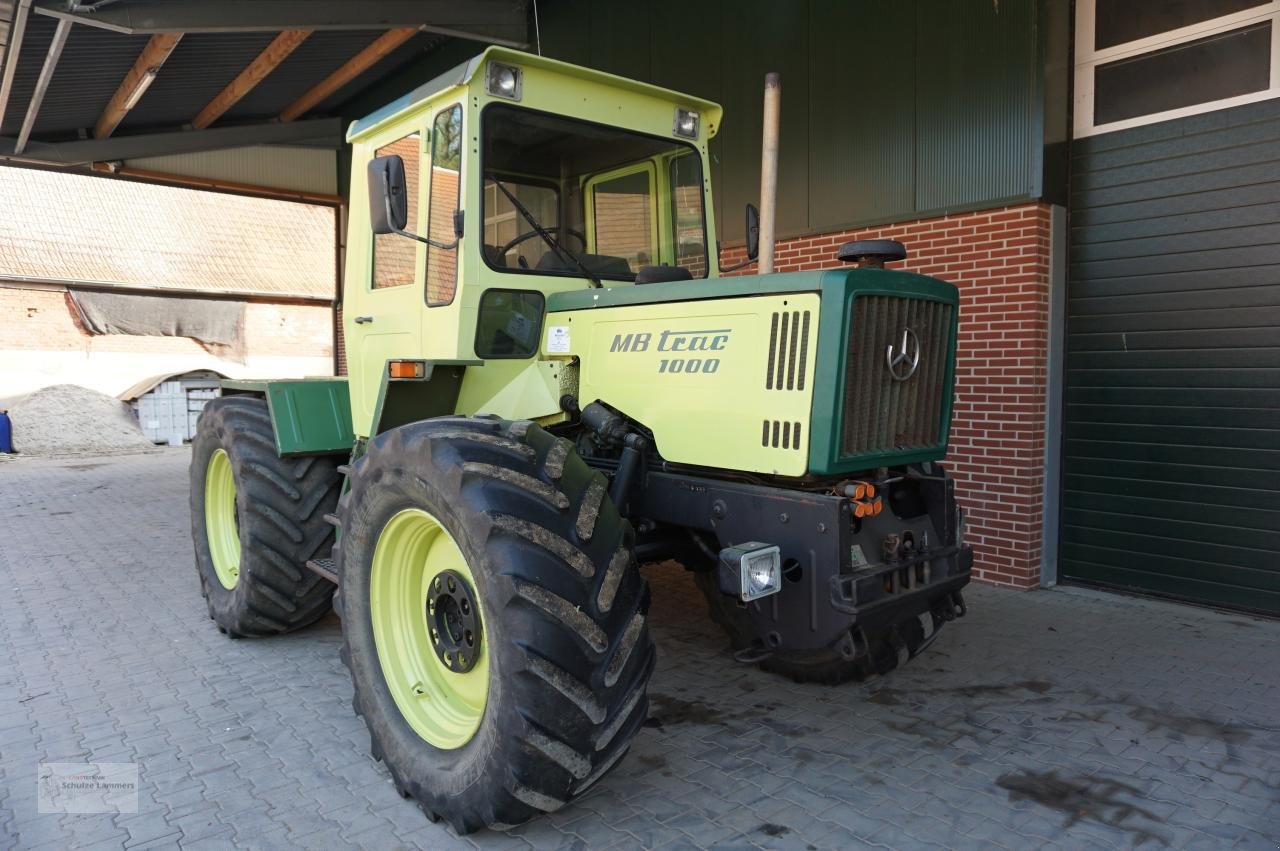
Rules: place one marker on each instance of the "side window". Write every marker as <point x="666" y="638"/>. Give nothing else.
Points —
<point x="393" y="255"/>
<point x="624" y="218"/>
<point x="509" y="323"/>
<point x="446" y="182"/>
<point x="688" y="223"/>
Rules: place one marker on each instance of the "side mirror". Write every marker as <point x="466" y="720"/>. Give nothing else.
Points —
<point x="753" y="232"/>
<point x="388" y="198"/>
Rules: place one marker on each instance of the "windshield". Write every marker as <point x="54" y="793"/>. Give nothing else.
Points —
<point x="571" y="198"/>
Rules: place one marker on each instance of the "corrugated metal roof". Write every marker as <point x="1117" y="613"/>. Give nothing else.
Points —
<point x="62" y="227"/>
<point x="95" y="61"/>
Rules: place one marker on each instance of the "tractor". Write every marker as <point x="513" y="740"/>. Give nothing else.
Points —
<point x="550" y="384"/>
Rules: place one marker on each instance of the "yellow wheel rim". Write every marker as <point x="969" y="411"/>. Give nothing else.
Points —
<point x="442" y="706"/>
<point x="220" y="519"/>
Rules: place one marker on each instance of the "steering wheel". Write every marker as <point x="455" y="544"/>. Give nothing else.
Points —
<point x="530" y="234"/>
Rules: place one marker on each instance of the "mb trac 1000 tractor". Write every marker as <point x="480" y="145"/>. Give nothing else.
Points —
<point x="550" y="384"/>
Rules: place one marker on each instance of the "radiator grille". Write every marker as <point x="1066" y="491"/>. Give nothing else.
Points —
<point x="882" y="414"/>
<point x="788" y="351"/>
<point x="780" y="434"/>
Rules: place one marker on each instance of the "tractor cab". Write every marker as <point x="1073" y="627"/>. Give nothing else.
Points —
<point x="507" y="180"/>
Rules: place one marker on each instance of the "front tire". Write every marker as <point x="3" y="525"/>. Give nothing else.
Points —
<point x="256" y="519"/>
<point x="554" y="684"/>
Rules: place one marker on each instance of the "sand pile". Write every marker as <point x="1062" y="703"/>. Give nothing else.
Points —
<point x="67" y="418"/>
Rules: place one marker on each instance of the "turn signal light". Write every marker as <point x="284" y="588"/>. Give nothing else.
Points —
<point x="406" y="368"/>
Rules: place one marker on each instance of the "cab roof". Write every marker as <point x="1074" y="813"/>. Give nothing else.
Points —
<point x="462" y="75"/>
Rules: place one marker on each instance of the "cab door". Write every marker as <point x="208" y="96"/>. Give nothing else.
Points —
<point x="383" y="318"/>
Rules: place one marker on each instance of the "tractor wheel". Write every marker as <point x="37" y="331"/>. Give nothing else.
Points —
<point x="493" y="617"/>
<point x="256" y="519"/>
<point x="884" y="653"/>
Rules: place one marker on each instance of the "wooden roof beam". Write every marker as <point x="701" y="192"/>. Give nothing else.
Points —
<point x="378" y="49"/>
<point x="135" y="83"/>
<point x="256" y="71"/>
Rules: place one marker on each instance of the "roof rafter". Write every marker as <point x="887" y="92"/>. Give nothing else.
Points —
<point x="348" y="71"/>
<point x="482" y="19"/>
<point x="42" y="83"/>
<point x="144" y="69"/>
<point x="255" y="72"/>
<point x="326" y="132"/>
<point x="17" y="28"/>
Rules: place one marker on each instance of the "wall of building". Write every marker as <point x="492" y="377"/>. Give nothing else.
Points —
<point x="891" y="109"/>
<point x="999" y="259"/>
<point x="42" y="343"/>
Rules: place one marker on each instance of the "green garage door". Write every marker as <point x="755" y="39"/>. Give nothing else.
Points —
<point x="1172" y="456"/>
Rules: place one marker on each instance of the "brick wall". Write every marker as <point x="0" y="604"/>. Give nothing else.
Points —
<point x="1000" y="261"/>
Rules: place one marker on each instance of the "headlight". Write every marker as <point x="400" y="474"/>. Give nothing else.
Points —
<point x="686" y="123"/>
<point x="503" y="81"/>
<point x="751" y="571"/>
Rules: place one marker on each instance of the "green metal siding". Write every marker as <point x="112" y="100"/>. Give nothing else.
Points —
<point x="862" y="159"/>
<point x="1172" y="457"/>
<point x="976" y="97"/>
<point x="891" y="109"/>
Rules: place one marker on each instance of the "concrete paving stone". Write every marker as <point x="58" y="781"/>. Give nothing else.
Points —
<point x="145" y="826"/>
<point x="538" y="833"/>
<point x="205" y="822"/>
<point x="253" y="742"/>
<point x="169" y="840"/>
<point x="220" y="842"/>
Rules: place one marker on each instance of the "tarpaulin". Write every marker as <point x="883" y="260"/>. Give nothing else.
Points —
<point x="217" y="322"/>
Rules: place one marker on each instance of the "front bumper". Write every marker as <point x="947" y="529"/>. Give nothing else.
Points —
<point x="841" y="582"/>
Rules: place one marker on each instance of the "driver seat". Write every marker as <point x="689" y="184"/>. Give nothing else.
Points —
<point x="662" y="274"/>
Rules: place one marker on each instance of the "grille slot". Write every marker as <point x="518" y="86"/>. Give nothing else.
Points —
<point x="882" y="414"/>
<point x="780" y="434"/>
<point x="788" y="350"/>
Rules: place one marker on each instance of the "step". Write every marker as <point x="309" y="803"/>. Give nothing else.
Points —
<point x="324" y="567"/>
<point x="344" y="470"/>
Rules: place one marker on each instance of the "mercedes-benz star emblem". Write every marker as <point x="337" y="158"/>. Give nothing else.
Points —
<point x="903" y="361"/>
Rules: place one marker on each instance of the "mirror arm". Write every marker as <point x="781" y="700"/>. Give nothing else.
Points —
<point x="386" y="195"/>
<point x="736" y="266"/>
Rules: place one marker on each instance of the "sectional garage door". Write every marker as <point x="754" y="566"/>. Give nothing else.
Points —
<point x="1172" y="453"/>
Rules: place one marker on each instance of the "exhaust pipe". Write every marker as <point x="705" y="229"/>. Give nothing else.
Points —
<point x="769" y="170"/>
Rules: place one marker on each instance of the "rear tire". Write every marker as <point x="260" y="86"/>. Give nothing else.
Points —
<point x="252" y="559"/>
<point x="561" y="605"/>
<point x="884" y="652"/>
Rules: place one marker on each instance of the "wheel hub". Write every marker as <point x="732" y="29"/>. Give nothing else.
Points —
<point x="452" y="620"/>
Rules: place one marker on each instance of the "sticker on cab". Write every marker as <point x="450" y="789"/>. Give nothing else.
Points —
<point x="558" y="339"/>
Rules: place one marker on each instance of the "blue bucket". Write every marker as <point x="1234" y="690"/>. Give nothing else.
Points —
<point x="6" y="433"/>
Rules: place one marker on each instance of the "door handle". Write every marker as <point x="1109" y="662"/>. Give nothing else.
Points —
<point x="363" y="320"/>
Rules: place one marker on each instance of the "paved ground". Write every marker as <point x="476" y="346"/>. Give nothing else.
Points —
<point x="1060" y="718"/>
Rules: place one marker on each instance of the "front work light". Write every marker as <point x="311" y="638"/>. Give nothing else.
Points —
<point x="750" y="571"/>
<point x="503" y="81"/>
<point x="686" y="123"/>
